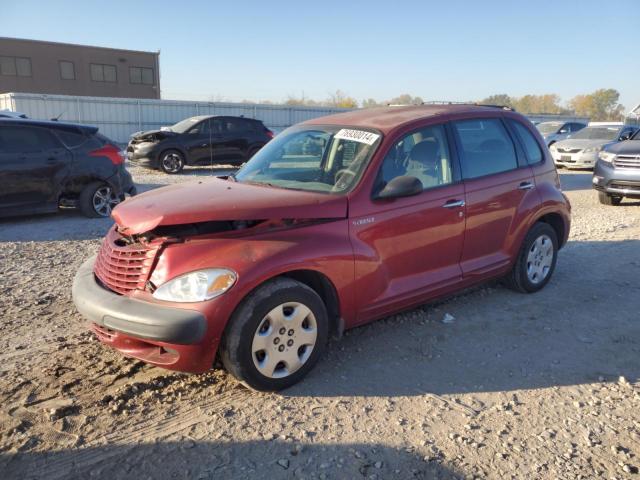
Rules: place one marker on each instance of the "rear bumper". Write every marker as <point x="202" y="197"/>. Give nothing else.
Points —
<point x="173" y="338"/>
<point x="617" y="181"/>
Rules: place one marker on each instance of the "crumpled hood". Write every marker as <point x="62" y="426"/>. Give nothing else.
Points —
<point x="629" y="147"/>
<point x="217" y="199"/>
<point x="151" y="134"/>
<point x="582" y="143"/>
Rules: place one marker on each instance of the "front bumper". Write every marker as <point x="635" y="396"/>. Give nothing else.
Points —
<point x="616" y="181"/>
<point x="144" y="157"/>
<point x="173" y="338"/>
<point x="575" y="160"/>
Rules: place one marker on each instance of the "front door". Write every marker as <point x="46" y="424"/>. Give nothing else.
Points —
<point x="408" y="249"/>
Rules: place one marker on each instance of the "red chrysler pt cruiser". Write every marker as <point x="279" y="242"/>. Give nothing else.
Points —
<point x="336" y="222"/>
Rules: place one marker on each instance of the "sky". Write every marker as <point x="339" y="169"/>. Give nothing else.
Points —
<point x="438" y="50"/>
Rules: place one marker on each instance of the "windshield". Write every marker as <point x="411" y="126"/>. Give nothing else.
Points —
<point x="184" y="125"/>
<point x="318" y="159"/>
<point x="636" y="136"/>
<point x="548" y="127"/>
<point x="598" y="133"/>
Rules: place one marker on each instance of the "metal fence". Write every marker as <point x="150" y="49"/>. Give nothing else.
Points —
<point x="118" y="118"/>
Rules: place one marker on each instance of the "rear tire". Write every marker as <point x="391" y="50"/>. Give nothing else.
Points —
<point x="171" y="161"/>
<point x="276" y="335"/>
<point x="97" y="200"/>
<point x="536" y="260"/>
<point x="607" y="199"/>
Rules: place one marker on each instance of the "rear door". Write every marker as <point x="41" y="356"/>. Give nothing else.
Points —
<point x="231" y="142"/>
<point x="33" y="164"/>
<point x="408" y="249"/>
<point x="499" y="190"/>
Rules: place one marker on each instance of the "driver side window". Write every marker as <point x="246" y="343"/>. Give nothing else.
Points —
<point x="423" y="154"/>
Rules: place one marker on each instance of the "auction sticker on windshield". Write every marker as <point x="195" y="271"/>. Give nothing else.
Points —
<point x="357" y="136"/>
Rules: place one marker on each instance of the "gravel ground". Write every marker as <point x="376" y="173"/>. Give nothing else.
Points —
<point x="515" y="386"/>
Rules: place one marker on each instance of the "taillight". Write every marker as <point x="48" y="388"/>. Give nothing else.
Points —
<point x="112" y="152"/>
<point x="268" y="132"/>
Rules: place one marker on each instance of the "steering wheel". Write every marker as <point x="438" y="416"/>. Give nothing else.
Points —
<point x="341" y="179"/>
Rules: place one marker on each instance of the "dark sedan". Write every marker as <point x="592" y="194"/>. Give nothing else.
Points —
<point x="201" y="140"/>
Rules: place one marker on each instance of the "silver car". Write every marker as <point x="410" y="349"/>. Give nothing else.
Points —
<point x="553" y="132"/>
<point x="581" y="150"/>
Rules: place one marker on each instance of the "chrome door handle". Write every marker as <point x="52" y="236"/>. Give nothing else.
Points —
<point x="525" y="186"/>
<point x="454" y="204"/>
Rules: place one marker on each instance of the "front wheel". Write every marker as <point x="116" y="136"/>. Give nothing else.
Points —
<point x="606" y="199"/>
<point x="536" y="260"/>
<point x="171" y="161"/>
<point x="276" y="335"/>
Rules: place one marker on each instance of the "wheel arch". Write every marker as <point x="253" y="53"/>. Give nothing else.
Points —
<point x="177" y="148"/>
<point x="325" y="288"/>
<point x="556" y="222"/>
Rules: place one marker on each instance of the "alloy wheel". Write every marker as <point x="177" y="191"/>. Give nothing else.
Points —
<point x="172" y="162"/>
<point x="104" y="200"/>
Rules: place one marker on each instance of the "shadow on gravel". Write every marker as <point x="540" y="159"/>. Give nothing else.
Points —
<point x="576" y="181"/>
<point x="583" y="327"/>
<point x="205" y="460"/>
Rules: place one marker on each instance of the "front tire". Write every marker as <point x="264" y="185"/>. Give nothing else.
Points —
<point x="276" y="335"/>
<point x="536" y="260"/>
<point x="171" y="161"/>
<point x="606" y="199"/>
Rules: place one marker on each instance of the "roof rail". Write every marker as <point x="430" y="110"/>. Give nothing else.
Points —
<point x="443" y="102"/>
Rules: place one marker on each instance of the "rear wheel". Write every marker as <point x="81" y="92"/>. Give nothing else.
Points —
<point x="607" y="199"/>
<point x="97" y="200"/>
<point x="171" y="161"/>
<point x="276" y="335"/>
<point x="536" y="260"/>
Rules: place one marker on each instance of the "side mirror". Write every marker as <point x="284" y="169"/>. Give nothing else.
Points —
<point x="625" y="136"/>
<point x="564" y="130"/>
<point x="403" y="186"/>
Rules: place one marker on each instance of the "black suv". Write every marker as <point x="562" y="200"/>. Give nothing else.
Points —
<point x="617" y="171"/>
<point x="45" y="165"/>
<point x="199" y="140"/>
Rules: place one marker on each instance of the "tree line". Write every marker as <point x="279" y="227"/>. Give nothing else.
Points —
<point x="600" y="105"/>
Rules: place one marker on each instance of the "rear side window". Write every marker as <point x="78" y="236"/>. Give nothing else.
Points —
<point x="235" y="125"/>
<point x="26" y="139"/>
<point x="531" y="147"/>
<point x="486" y="147"/>
<point x="71" y="138"/>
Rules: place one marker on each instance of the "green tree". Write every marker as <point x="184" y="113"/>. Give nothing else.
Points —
<point x="370" y="102"/>
<point x="498" y="99"/>
<point x="405" y="99"/>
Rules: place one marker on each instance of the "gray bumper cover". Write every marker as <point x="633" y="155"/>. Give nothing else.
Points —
<point x="134" y="317"/>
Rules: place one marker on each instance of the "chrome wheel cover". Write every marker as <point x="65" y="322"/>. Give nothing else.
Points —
<point x="172" y="162"/>
<point x="284" y="340"/>
<point x="104" y="200"/>
<point x="540" y="259"/>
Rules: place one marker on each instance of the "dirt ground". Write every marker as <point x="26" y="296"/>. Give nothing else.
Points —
<point x="516" y="386"/>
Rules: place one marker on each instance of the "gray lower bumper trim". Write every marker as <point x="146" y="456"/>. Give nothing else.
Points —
<point x="134" y="317"/>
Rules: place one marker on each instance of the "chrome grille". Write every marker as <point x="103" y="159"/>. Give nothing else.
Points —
<point x="627" y="161"/>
